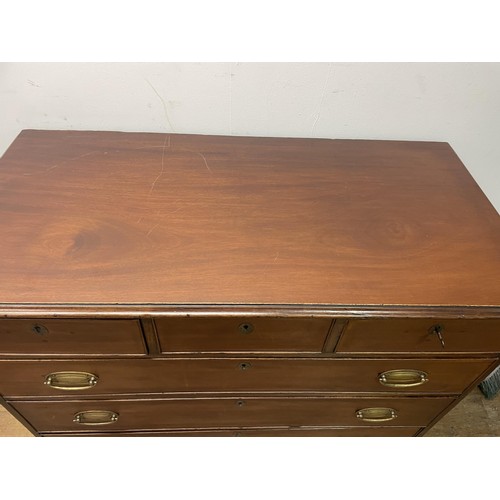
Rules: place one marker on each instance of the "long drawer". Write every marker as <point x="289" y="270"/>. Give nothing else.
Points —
<point x="420" y="335"/>
<point x="49" y="337"/>
<point x="128" y="376"/>
<point x="218" y="412"/>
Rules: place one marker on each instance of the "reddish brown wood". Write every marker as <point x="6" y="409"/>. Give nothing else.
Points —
<point x="151" y="336"/>
<point x="228" y="412"/>
<point x="208" y="334"/>
<point x="70" y="336"/>
<point x="194" y="235"/>
<point x="334" y="334"/>
<point x="108" y="217"/>
<point x="416" y="335"/>
<point x="276" y="432"/>
<point x="26" y="378"/>
<point x="235" y="310"/>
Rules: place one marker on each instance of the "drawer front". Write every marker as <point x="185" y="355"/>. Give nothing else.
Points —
<point x="206" y="412"/>
<point x="121" y="376"/>
<point x="208" y="334"/>
<point x="420" y="335"/>
<point x="70" y="336"/>
<point x="276" y="432"/>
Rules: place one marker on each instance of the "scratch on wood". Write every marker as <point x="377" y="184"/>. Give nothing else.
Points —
<point x="165" y="109"/>
<point x="276" y="258"/>
<point x="63" y="163"/>
<point x="162" y="162"/>
<point x="152" y="229"/>
<point x="205" y="160"/>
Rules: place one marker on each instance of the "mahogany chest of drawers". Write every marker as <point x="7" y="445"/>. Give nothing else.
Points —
<point x="176" y="285"/>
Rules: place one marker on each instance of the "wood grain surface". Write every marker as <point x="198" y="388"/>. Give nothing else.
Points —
<point x="109" y="217"/>
<point x="268" y="432"/>
<point x="418" y="335"/>
<point x="208" y="334"/>
<point x="22" y="379"/>
<point x="208" y="412"/>
<point x="51" y="337"/>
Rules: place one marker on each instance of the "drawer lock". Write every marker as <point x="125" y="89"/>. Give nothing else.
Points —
<point x="376" y="414"/>
<point x="438" y="331"/>
<point x="403" y="378"/>
<point x="71" y="381"/>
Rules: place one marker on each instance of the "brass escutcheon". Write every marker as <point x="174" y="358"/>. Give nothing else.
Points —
<point x="39" y="329"/>
<point x="246" y="328"/>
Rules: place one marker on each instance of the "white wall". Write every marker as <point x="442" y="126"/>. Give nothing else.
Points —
<point x="454" y="102"/>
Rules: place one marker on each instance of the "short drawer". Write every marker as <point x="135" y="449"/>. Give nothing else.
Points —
<point x="70" y="336"/>
<point x="208" y="412"/>
<point x="420" y="335"/>
<point x="215" y="334"/>
<point x="263" y="432"/>
<point x="63" y="378"/>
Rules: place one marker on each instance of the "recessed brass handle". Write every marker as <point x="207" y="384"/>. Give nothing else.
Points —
<point x="95" y="417"/>
<point x="71" y="381"/>
<point x="403" y="378"/>
<point x="376" y="414"/>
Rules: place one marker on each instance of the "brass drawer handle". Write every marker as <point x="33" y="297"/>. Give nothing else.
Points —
<point x="376" y="414"/>
<point x="71" y="381"/>
<point x="95" y="417"/>
<point x="403" y="378"/>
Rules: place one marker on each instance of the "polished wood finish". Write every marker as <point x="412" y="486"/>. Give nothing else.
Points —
<point x="228" y="412"/>
<point x="210" y="284"/>
<point x="208" y="334"/>
<point x="332" y="311"/>
<point x="267" y="432"/>
<point x="108" y="217"/>
<point x="66" y="336"/>
<point x="26" y="378"/>
<point x="420" y="335"/>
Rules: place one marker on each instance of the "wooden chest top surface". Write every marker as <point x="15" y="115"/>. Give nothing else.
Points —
<point x="142" y="218"/>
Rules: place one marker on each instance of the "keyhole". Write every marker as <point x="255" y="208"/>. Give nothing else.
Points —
<point x="240" y="403"/>
<point x="245" y="366"/>
<point x="40" y="330"/>
<point x="436" y="329"/>
<point x="246" y="328"/>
